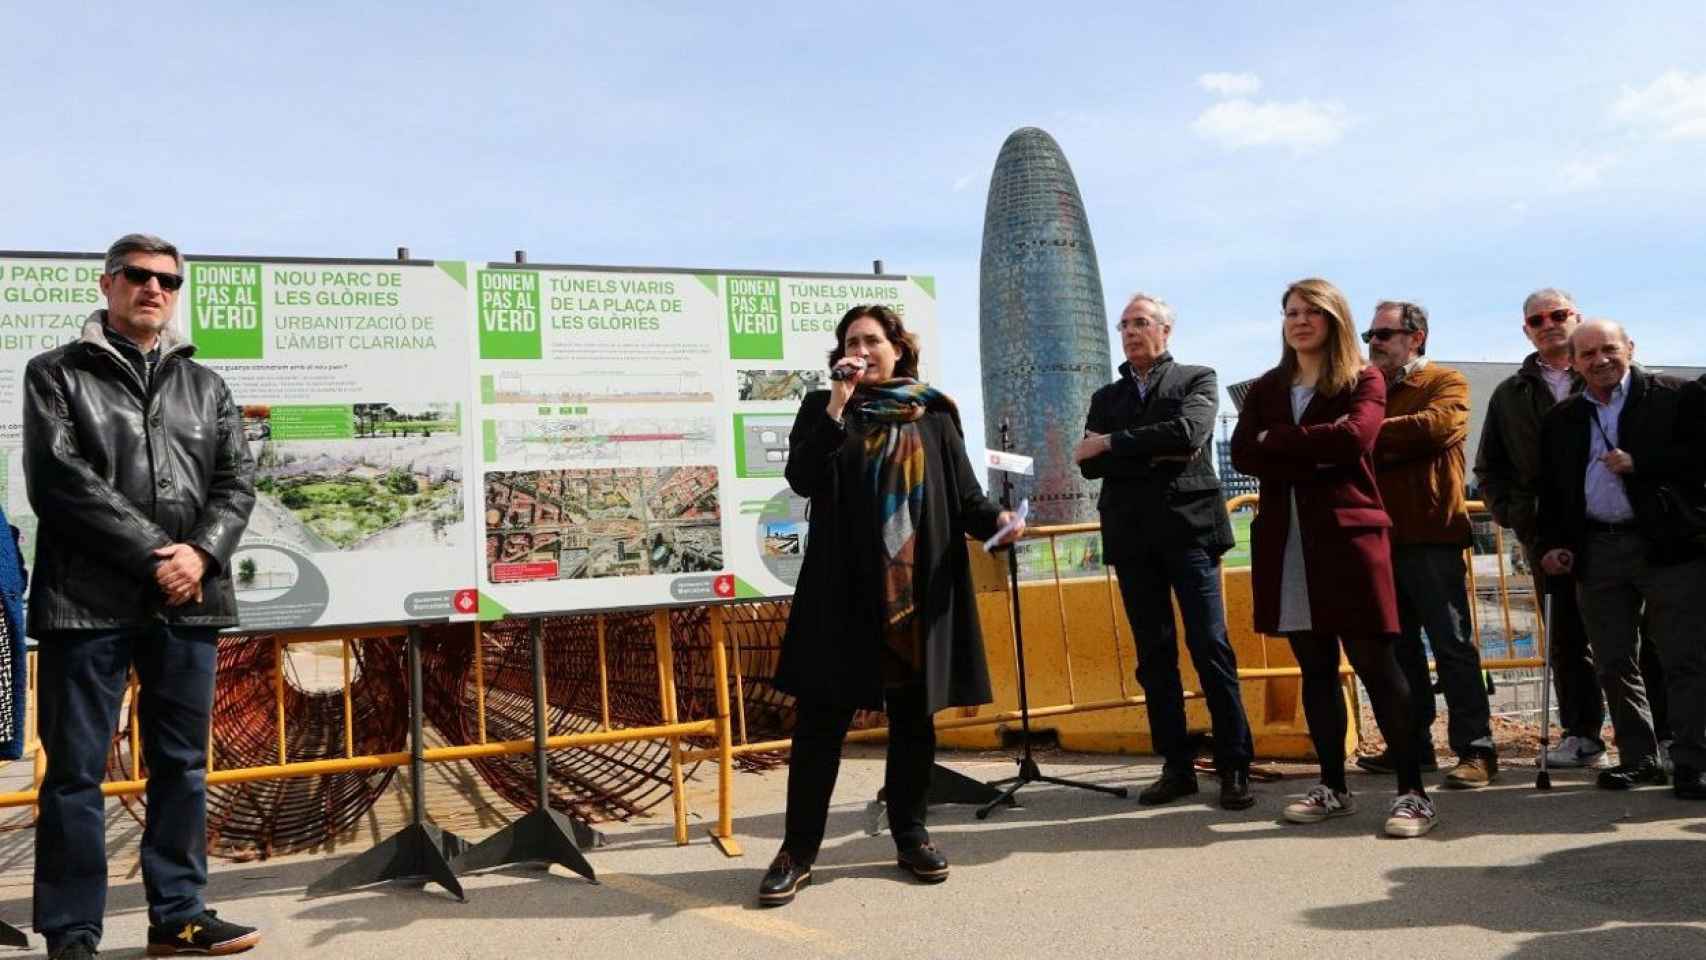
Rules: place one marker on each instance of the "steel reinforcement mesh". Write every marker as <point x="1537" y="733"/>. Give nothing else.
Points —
<point x="606" y="782"/>
<point x="266" y="817"/>
<point x="603" y="782"/>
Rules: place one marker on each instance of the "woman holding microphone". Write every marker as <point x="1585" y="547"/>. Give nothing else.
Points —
<point x="883" y="615"/>
<point x="1321" y="559"/>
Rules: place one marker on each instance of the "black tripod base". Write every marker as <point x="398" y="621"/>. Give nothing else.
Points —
<point x="417" y="851"/>
<point x="951" y="786"/>
<point x="541" y="836"/>
<point x="1030" y="773"/>
<point x="11" y="936"/>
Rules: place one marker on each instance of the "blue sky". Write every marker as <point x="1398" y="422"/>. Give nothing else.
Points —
<point x="1459" y="155"/>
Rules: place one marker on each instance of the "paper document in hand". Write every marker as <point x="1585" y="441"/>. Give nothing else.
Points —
<point x="1019" y="516"/>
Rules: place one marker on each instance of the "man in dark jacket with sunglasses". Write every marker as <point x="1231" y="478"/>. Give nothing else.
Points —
<point x="138" y="472"/>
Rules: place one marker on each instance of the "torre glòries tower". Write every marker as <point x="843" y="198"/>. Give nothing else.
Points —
<point x="1042" y="322"/>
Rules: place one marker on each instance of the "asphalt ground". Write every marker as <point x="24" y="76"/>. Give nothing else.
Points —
<point x="1510" y="872"/>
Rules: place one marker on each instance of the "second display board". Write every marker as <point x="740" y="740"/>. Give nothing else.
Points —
<point x="633" y="428"/>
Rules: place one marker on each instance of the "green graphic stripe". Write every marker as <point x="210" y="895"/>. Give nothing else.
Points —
<point x="490" y="609"/>
<point x="456" y="270"/>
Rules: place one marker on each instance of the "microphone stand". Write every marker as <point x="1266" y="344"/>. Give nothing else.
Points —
<point x="1029" y="772"/>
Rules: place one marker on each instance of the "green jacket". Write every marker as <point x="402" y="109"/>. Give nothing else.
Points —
<point x="1507" y="464"/>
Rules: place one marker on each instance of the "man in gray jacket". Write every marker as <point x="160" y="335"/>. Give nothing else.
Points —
<point x="138" y="472"/>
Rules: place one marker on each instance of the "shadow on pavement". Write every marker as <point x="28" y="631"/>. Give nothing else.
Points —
<point x="1569" y="895"/>
<point x="1653" y="942"/>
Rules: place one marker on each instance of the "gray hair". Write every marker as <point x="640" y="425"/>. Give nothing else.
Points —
<point x="139" y="243"/>
<point x="1161" y="306"/>
<point x="1411" y="315"/>
<point x="1546" y="293"/>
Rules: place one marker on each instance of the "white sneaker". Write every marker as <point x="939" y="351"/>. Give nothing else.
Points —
<point x="1412" y="815"/>
<point x="1320" y="803"/>
<point x="1574" y="751"/>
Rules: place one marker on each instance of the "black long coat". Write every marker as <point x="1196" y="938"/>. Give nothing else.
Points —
<point x="830" y="650"/>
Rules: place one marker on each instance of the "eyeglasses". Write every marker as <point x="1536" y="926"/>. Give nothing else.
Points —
<point x="1538" y="320"/>
<point x="1137" y="323"/>
<point x="1383" y="334"/>
<point x="141" y="275"/>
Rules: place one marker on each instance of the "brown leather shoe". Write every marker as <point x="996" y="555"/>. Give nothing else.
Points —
<point x="1473" y="771"/>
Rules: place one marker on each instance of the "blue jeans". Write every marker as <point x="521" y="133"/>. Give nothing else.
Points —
<point x="81" y="677"/>
<point x="1193" y="576"/>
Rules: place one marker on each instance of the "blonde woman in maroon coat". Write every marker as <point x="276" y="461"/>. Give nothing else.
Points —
<point x="1321" y="557"/>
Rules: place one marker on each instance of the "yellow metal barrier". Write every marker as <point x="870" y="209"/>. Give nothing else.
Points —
<point x="672" y="729"/>
<point x="730" y="711"/>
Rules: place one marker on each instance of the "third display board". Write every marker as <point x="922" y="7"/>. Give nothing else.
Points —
<point x="633" y="428"/>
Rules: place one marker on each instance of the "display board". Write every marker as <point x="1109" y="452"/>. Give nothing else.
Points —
<point x="438" y="439"/>
<point x="44" y="300"/>
<point x="634" y="428"/>
<point x="352" y="380"/>
<point x="351" y="377"/>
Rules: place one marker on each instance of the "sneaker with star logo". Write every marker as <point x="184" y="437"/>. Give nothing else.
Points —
<point x="203" y="935"/>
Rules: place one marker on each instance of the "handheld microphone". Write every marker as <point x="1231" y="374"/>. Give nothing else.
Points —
<point x="848" y="372"/>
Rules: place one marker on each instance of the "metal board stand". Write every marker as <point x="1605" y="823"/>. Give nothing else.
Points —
<point x="419" y="849"/>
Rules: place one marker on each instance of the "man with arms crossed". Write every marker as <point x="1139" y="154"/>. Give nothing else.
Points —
<point x="1164" y="528"/>
<point x="1419" y="467"/>
<point x="136" y="467"/>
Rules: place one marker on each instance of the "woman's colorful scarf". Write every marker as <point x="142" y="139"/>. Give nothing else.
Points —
<point x="894" y="455"/>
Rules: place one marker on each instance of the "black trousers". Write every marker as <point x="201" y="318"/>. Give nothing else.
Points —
<point x="81" y="677"/>
<point x="1434" y="598"/>
<point x="816" y="759"/>
<point x="1373" y="658"/>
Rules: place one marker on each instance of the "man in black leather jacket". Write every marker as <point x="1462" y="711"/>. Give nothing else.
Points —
<point x="1164" y="528"/>
<point x="138" y="472"/>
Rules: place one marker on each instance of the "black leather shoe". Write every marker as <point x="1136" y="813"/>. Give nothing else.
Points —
<point x="924" y="862"/>
<point x="1690" y="783"/>
<point x="1235" y="790"/>
<point x="784" y="879"/>
<point x="1170" y="787"/>
<point x="1622" y="777"/>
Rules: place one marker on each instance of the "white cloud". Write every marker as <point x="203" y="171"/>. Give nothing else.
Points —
<point x="1230" y="84"/>
<point x="1674" y="105"/>
<point x="960" y="183"/>
<point x="1300" y="124"/>
<point x="1585" y="173"/>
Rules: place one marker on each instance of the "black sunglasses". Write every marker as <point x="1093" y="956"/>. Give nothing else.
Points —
<point x="1382" y="335"/>
<point x="1557" y="316"/>
<point x="141" y="275"/>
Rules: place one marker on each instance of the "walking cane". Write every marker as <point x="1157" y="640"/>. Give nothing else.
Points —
<point x="1543" y="780"/>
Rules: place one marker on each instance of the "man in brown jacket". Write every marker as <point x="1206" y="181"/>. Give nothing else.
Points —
<point x="1419" y="466"/>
